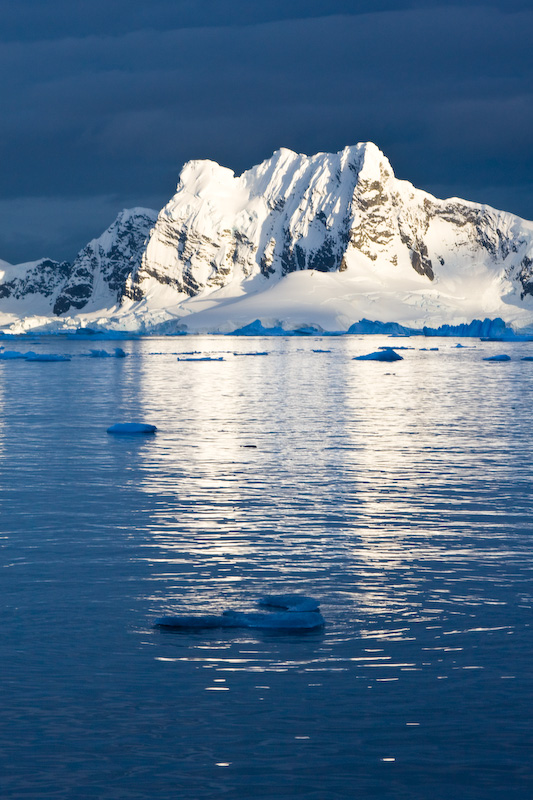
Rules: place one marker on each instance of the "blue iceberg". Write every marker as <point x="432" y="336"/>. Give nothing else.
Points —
<point x="502" y="357"/>
<point x="256" y="328"/>
<point x="380" y="355"/>
<point x="202" y="358"/>
<point x="118" y="353"/>
<point x="258" y="353"/>
<point x="46" y="357"/>
<point x="299" y="613"/>
<point x="367" y="326"/>
<point x="13" y="355"/>
<point x="131" y="428"/>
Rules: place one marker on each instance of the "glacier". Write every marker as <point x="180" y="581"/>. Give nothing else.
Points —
<point x="326" y="243"/>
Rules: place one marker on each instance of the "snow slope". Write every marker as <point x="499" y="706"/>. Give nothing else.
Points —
<point x="323" y="240"/>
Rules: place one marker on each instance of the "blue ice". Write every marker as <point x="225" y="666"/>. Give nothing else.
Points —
<point x="298" y="613"/>
<point x="131" y="428"/>
<point x="203" y="358"/>
<point x="502" y="357"/>
<point x="11" y="355"/>
<point x="46" y="357"/>
<point x="118" y="353"/>
<point x="380" y="355"/>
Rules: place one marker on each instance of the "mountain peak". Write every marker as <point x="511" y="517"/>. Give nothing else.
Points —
<point x="383" y="249"/>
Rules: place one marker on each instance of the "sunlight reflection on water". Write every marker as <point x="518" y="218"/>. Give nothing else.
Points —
<point x="399" y="495"/>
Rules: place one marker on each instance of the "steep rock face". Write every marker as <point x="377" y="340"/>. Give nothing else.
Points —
<point x="40" y="278"/>
<point x="328" y="212"/>
<point x="100" y="271"/>
<point x="224" y="238"/>
<point x="95" y="279"/>
<point x="289" y="213"/>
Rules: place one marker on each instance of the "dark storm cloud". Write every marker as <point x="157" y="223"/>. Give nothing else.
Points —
<point x="56" y="19"/>
<point x="444" y="91"/>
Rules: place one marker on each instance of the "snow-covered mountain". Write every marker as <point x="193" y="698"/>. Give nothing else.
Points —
<point x="325" y="240"/>
<point x="95" y="280"/>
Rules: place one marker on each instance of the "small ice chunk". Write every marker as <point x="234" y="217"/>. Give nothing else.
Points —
<point x="283" y="620"/>
<point x="380" y="355"/>
<point x="299" y="613"/>
<point x="118" y="353"/>
<point x="46" y="357"/>
<point x="195" y="621"/>
<point x="502" y="357"/>
<point x="11" y="355"/>
<point x="524" y="358"/>
<point x="204" y="358"/>
<point x="298" y="602"/>
<point x="397" y="347"/>
<point x="131" y="428"/>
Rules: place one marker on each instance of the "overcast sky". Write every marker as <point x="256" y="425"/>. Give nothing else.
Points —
<point x="103" y="101"/>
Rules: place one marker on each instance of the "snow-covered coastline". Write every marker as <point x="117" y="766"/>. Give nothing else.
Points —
<point x="325" y="242"/>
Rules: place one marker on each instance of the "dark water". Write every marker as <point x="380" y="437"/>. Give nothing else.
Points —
<point x="397" y="494"/>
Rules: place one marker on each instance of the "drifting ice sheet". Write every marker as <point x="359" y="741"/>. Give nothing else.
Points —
<point x="46" y="357"/>
<point x="204" y="358"/>
<point x="12" y="355"/>
<point x="118" y="353"/>
<point x="131" y="428"/>
<point x="380" y="355"/>
<point x="300" y="613"/>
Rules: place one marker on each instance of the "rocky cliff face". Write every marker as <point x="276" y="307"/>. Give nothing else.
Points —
<point x="42" y="278"/>
<point x="95" y="279"/>
<point x="342" y="213"/>
<point x="100" y="271"/>
<point x="328" y="212"/>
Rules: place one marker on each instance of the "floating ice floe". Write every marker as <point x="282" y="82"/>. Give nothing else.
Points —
<point x="398" y="347"/>
<point x="118" y="353"/>
<point x="46" y="357"/>
<point x="12" y="355"/>
<point x="502" y="357"/>
<point x="203" y="358"/>
<point x="131" y="428"/>
<point x="526" y="358"/>
<point x="298" y="613"/>
<point x="381" y="355"/>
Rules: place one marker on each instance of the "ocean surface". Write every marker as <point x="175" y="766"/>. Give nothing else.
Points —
<point x="399" y="495"/>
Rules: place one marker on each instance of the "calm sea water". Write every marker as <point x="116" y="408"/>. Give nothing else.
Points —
<point x="398" y="494"/>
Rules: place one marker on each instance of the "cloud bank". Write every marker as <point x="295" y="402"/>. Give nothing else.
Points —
<point x="97" y="109"/>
